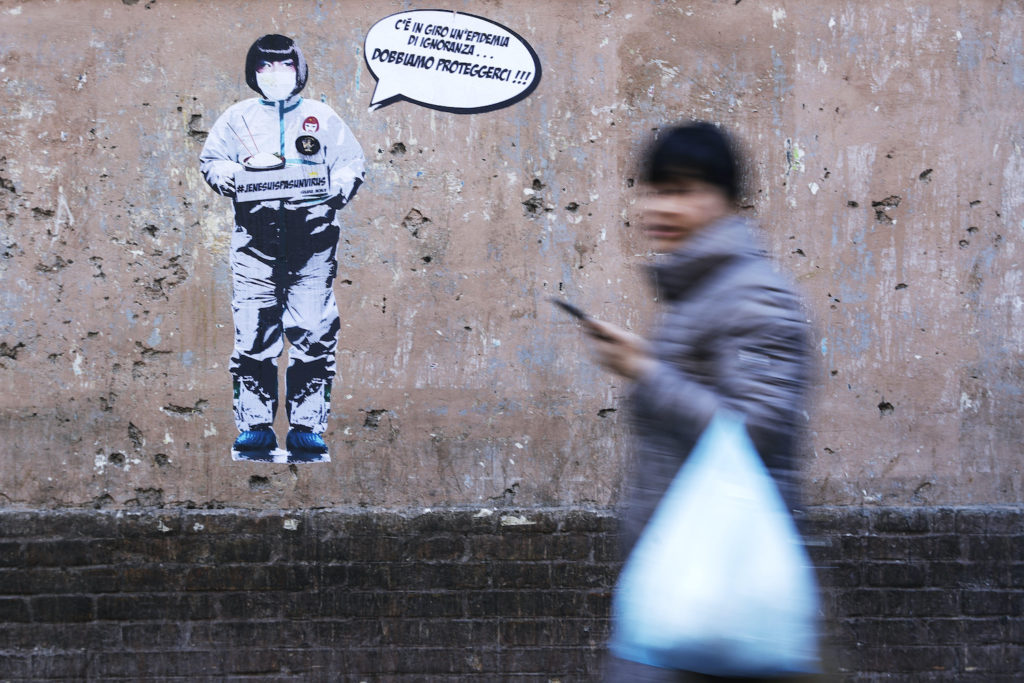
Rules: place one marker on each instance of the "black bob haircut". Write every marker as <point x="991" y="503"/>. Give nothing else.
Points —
<point x="698" y="150"/>
<point x="275" y="48"/>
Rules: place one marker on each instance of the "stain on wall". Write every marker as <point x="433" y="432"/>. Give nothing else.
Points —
<point x="885" y="168"/>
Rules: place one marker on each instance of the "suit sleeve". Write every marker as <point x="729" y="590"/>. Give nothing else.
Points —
<point x="218" y="161"/>
<point x="346" y="163"/>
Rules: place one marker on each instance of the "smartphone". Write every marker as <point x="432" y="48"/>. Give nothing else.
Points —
<point x="577" y="312"/>
<point x="572" y="310"/>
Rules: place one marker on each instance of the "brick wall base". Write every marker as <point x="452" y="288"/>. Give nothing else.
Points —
<point x="912" y="594"/>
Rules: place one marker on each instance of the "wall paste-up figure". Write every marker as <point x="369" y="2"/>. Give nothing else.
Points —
<point x="289" y="164"/>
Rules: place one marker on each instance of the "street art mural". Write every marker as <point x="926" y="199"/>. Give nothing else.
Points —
<point x="289" y="164"/>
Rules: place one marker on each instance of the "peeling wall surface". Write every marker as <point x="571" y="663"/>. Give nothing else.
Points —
<point x="886" y="170"/>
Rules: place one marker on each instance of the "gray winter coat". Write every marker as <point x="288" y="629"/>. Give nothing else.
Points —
<point x="731" y="333"/>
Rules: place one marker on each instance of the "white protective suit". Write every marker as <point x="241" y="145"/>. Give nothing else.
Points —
<point x="284" y="255"/>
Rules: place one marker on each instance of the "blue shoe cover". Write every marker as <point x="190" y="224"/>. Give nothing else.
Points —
<point x="305" y="441"/>
<point x="256" y="440"/>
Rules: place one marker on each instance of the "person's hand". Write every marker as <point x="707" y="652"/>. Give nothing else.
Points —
<point x="226" y="186"/>
<point x="223" y="177"/>
<point x="617" y="350"/>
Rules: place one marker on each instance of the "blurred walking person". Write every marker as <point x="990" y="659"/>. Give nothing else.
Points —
<point x="731" y="335"/>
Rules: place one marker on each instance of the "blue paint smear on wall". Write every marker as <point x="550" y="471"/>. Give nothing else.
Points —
<point x="782" y="86"/>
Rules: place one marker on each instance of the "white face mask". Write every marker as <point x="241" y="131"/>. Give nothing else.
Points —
<point x="276" y="85"/>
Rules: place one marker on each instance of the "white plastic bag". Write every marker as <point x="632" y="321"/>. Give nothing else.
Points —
<point x="719" y="582"/>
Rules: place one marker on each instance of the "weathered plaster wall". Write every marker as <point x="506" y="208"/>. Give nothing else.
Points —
<point x="886" y="169"/>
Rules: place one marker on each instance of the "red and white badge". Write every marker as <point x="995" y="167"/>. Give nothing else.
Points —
<point x="310" y="125"/>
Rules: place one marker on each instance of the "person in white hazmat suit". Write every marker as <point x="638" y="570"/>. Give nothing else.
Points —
<point x="284" y="245"/>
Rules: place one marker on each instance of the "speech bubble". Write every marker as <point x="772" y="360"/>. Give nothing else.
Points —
<point x="450" y="61"/>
